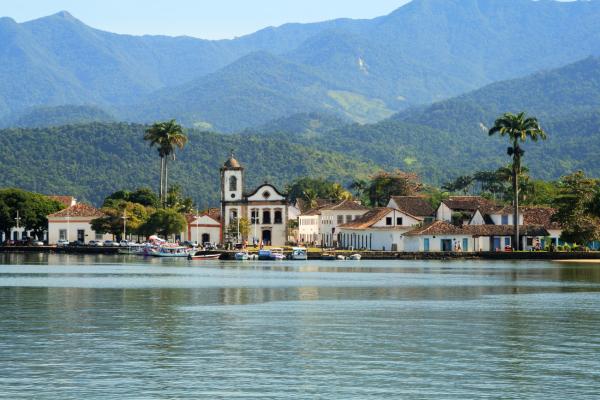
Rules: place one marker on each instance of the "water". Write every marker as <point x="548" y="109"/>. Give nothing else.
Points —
<point x="109" y="327"/>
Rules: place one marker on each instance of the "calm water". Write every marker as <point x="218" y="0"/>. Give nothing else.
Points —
<point x="104" y="327"/>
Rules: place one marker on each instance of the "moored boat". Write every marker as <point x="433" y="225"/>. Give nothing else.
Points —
<point x="299" y="253"/>
<point x="242" y="256"/>
<point x="204" y="256"/>
<point x="355" y="257"/>
<point x="171" y="251"/>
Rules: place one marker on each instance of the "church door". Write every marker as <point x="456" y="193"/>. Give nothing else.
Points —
<point x="266" y="237"/>
<point x="205" y="238"/>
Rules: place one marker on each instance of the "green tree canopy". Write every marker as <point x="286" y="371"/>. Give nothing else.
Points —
<point x="384" y="185"/>
<point x="165" y="222"/>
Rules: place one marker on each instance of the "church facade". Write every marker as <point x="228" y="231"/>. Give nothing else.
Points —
<point x="265" y="208"/>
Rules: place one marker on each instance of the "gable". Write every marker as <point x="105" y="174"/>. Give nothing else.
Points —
<point x="266" y="193"/>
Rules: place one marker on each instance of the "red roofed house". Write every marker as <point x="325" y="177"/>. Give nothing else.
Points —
<point x="74" y="223"/>
<point x="204" y="228"/>
<point x="379" y="229"/>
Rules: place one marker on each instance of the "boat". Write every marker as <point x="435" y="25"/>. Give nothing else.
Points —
<point x="328" y="257"/>
<point x="171" y="251"/>
<point x="355" y="257"/>
<point x="204" y="256"/>
<point x="270" y="255"/>
<point x="340" y="258"/>
<point x="299" y="253"/>
<point x="131" y="249"/>
<point x="242" y="256"/>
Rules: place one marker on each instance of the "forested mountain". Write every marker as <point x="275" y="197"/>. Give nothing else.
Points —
<point x="91" y="161"/>
<point x="364" y="70"/>
<point x="57" y="116"/>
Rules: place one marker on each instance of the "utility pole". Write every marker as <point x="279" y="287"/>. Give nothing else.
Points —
<point x="197" y="244"/>
<point x="18" y="219"/>
<point x="124" y="224"/>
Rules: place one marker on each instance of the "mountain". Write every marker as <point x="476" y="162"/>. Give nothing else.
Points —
<point x="364" y="70"/>
<point x="93" y="160"/>
<point x="302" y="125"/>
<point x="57" y="116"/>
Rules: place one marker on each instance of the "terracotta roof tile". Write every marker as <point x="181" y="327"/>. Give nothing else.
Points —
<point x="64" y="200"/>
<point x="368" y="219"/>
<point x="345" y="205"/>
<point x="445" y="228"/>
<point x="414" y="205"/>
<point x="540" y="216"/>
<point x="79" y="210"/>
<point x="469" y="203"/>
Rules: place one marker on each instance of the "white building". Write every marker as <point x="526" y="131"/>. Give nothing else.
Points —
<point x="333" y="215"/>
<point x="205" y="227"/>
<point x="74" y="223"/>
<point x="418" y="206"/>
<point x="265" y="208"/>
<point x="379" y="229"/>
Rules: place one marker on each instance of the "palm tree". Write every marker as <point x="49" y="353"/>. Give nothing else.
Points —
<point x="518" y="128"/>
<point x="166" y="136"/>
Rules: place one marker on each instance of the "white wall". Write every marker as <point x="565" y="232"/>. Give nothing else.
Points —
<point x="308" y="228"/>
<point x="328" y="221"/>
<point x="71" y="227"/>
<point x="203" y="225"/>
<point x="391" y="239"/>
<point x="443" y="213"/>
<point x="417" y="243"/>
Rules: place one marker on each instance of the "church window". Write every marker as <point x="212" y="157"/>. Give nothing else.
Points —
<point x="232" y="184"/>
<point x="254" y="217"/>
<point x="266" y="194"/>
<point x="266" y="217"/>
<point x="278" y="217"/>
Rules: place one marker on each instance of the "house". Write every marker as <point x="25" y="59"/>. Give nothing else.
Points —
<point x="266" y="208"/>
<point x="444" y="236"/>
<point x="74" y="223"/>
<point x="333" y="215"/>
<point x="66" y="201"/>
<point x="308" y="225"/>
<point x="418" y="206"/>
<point x="205" y="227"/>
<point x="379" y="229"/>
<point x="461" y="209"/>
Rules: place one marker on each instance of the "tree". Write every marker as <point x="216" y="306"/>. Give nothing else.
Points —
<point x="460" y="184"/>
<point x="384" y="185"/>
<point x="244" y="228"/>
<point x="576" y="209"/>
<point x="166" y="136"/>
<point x="32" y="208"/>
<point x="311" y="189"/>
<point x="165" y="221"/>
<point x="518" y="128"/>
<point x="176" y="200"/>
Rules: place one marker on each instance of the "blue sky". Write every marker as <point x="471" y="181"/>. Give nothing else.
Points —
<point x="210" y="19"/>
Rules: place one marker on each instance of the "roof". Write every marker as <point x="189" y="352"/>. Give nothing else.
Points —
<point x="262" y="186"/>
<point x="469" y="203"/>
<point x="79" y="210"/>
<point x="445" y="228"/>
<point x="345" y="205"/>
<point x="367" y="220"/>
<point x="66" y="201"/>
<point x="232" y="163"/>
<point x="304" y="206"/>
<point x="213" y="213"/>
<point x="414" y="205"/>
<point x="541" y="216"/>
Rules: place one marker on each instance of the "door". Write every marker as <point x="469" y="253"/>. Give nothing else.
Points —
<point x="266" y="237"/>
<point x="425" y="244"/>
<point x="465" y="245"/>
<point x="205" y="238"/>
<point x="81" y="235"/>
<point x="496" y="246"/>
<point x="446" y="244"/>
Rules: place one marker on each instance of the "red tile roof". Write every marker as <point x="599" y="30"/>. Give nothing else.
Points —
<point x="540" y="216"/>
<point x="345" y="205"/>
<point x="469" y="203"/>
<point x="368" y="219"/>
<point x="64" y="200"/>
<point x="79" y="210"/>
<point x="445" y="228"/>
<point x="414" y="205"/>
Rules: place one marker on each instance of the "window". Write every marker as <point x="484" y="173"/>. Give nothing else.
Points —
<point x="348" y="218"/>
<point x="507" y="241"/>
<point x="232" y="184"/>
<point x="278" y="217"/>
<point x="254" y="217"/>
<point x="388" y="221"/>
<point x="399" y="221"/>
<point x="266" y="217"/>
<point x="529" y="241"/>
<point x="98" y="236"/>
<point x="505" y="220"/>
<point x="62" y="234"/>
<point x="340" y="219"/>
<point x="266" y="194"/>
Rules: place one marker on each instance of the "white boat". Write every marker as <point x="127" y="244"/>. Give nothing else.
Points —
<point x="340" y="258"/>
<point x="204" y="256"/>
<point x="272" y="254"/>
<point x="355" y="257"/>
<point x="242" y="256"/>
<point x="171" y="251"/>
<point x="299" y="253"/>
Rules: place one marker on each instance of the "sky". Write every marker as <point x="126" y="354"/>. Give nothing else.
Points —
<point x="208" y="19"/>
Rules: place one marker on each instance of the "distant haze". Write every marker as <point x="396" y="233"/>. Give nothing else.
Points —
<point x="202" y="19"/>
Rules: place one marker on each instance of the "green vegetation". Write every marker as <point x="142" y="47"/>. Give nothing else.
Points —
<point x="32" y="209"/>
<point x="518" y="128"/>
<point x="577" y="208"/>
<point x="166" y="136"/>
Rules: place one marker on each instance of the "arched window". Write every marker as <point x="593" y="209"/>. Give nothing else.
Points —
<point x="232" y="183"/>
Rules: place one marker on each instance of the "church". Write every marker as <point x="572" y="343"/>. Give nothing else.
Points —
<point x="265" y="208"/>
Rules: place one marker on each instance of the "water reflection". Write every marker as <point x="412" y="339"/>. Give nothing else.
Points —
<point x="115" y="327"/>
